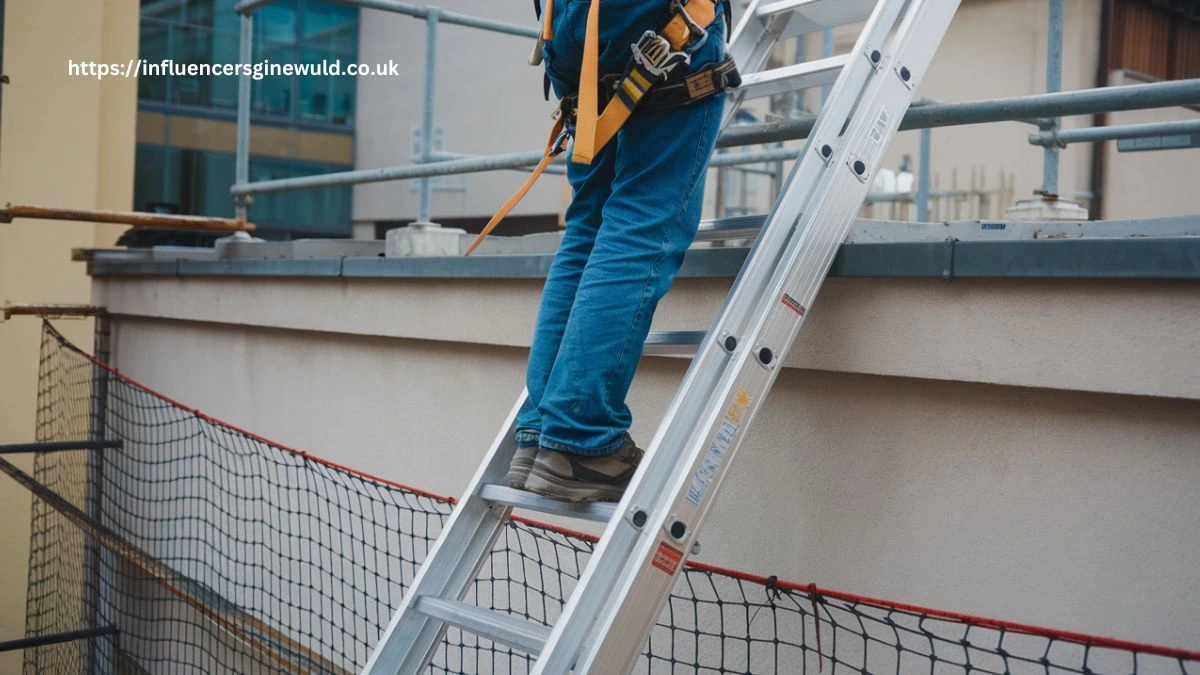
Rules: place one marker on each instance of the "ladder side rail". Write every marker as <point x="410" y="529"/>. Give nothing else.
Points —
<point x="698" y="384"/>
<point x="620" y="638"/>
<point x="745" y="42"/>
<point x="750" y="46"/>
<point x="463" y="545"/>
<point x="809" y="170"/>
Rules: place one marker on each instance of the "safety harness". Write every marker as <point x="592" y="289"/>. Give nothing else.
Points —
<point x="646" y="83"/>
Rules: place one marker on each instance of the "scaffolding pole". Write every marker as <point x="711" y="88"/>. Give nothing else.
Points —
<point x="1015" y="109"/>
<point x="242" y="161"/>
<point x="1054" y="47"/>
<point x="1096" y="134"/>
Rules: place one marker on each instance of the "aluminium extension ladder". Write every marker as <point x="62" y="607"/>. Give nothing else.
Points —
<point x="603" y="626"/>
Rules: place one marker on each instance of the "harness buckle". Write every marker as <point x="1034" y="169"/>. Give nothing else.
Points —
<point x="694" y="28"/>
<point x="560" y="143"/>
<point x="654" y="54"/>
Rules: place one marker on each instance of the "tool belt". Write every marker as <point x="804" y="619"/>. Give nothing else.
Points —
<point x="651" y="80"/>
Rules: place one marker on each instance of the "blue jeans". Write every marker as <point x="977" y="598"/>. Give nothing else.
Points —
<point x="634" y="212"/>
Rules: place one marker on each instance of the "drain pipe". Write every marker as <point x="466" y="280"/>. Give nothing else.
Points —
<point x="1100" y="148"/>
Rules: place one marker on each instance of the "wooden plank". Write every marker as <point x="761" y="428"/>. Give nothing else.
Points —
<point x="134" y="218"/>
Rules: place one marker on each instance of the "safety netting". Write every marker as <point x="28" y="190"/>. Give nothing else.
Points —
<point x="210" y="549"/>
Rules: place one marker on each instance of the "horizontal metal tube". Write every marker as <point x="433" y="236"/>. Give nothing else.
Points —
<point x="1093" y="134"/>
<point x="420" y="12"/>
<point x="486" y="163"/>
<point x="56" y="638"/>
<point x="250" y="5"/>
<point x="773" y="155"/>
<point x="54" y="446"/>
<point x="467" y="164"/>
<point x="1021" y="108"/>
<point x="443" y="156"/>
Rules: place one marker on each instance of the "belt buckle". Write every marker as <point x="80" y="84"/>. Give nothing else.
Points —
<point x="653" y="53"/>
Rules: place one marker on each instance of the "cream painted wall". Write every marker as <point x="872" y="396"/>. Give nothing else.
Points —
<point x="997" y="48"/>
<point x="1129" y="193"/>
<point x="64" y="141"/>
<point x="1020" y="464"/>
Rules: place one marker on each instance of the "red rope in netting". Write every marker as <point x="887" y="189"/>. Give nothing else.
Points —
<point x="241" y="554"/>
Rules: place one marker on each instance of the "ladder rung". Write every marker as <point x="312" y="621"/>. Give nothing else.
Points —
<point x="793" y="78"/>
<point x="503" y="628"/>
<point x="600" y="512"/>
<point x="734" y="227"/>
<point x="673" y="342"/>
<point x="809" y="16"/>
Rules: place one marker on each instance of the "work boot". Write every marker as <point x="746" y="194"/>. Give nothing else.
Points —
<point x="518" y="470"/>
<point x="583" y="478"/>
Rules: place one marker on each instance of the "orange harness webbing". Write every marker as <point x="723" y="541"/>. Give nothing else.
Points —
<point x="594" y="130"/>
<point x="554" y="148"/>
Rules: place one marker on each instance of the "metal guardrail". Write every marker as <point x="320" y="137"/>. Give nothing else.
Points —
<point x="1042" y="110"/>
<point x="1112" y="133"/>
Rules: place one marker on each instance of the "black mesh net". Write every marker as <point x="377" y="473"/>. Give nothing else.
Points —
<point x="212" y="550"/>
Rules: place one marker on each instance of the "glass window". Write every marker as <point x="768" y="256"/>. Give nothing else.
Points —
<point x="286" y="31"/>
<point x="177" y="180"/>
<point x="272" y="95"/>
<point x="323" y="210"/>
<point x="330" y="28"/>
<point x="154" y="42"/>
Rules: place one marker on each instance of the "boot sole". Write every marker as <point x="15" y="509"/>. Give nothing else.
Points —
<point x="573" y="492"/>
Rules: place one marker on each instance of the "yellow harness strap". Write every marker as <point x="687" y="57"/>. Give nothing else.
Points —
<point x="589" y="78"/>
<point x="554" y="148"/>
<point x="548" y="21"/>
<point x="592" y="130"/>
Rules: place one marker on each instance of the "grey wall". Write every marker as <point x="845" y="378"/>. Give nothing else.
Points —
<point x="1026" y="450"/>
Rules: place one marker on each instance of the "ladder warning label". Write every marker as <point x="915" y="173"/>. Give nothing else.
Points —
<point x="791" y="304"/>
<point x="720" y="445"/>
<point x="667" y="559"/>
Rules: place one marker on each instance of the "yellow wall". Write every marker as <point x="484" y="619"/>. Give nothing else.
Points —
<point x="198" y="133"/>
<point x="64" y="141"/>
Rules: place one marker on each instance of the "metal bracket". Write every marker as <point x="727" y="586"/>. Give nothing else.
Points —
<point x="873" y="56"/>
<point x="948" y="259"/>
<point x="825" y="151"/>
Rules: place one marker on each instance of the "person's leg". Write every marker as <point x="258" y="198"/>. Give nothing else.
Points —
<point x="591" y="186"/>
<point x="649" y="221"/>
<point x="664" y="170"/>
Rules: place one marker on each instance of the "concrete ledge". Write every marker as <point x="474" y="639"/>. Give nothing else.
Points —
<point x="1076" y="258"/>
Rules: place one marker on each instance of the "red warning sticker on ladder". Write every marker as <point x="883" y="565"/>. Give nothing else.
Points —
<point x="667" y="559"/>
<point x="791" y="304"/>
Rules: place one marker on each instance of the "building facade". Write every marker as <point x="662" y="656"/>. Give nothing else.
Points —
<point x="301" y="125"/>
